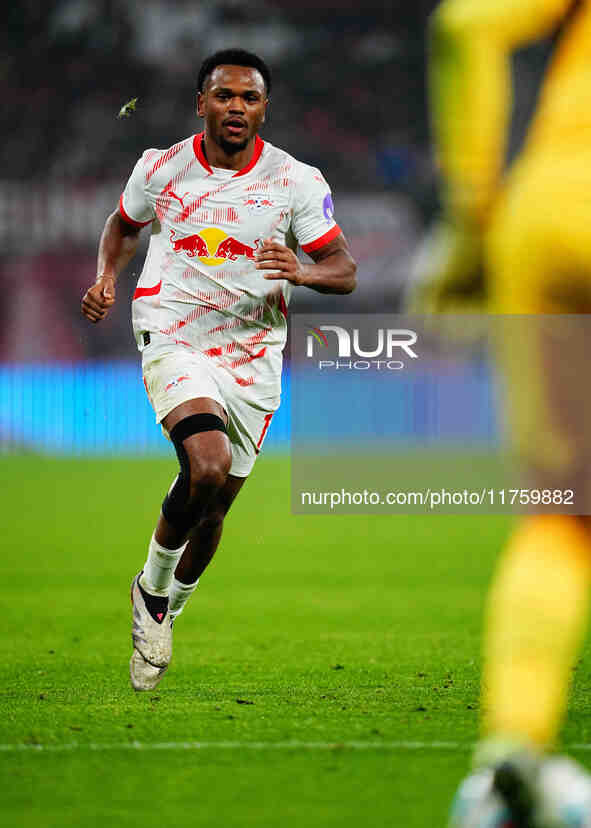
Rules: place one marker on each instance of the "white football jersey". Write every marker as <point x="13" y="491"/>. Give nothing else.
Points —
<point x="199" y="285"/>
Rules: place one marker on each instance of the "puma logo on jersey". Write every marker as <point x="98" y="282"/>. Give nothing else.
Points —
<point x="170" y="192"/>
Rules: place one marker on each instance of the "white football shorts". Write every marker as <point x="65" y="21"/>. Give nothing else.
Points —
<point x="174" y="374"/>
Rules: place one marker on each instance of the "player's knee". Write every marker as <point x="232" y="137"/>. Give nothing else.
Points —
<point x="207" y="475"/>
<point x="204" y="467"/>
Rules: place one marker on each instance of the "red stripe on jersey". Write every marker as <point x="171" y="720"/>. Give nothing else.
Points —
<point x="268" y="418"/>
<point x="283" y="305"/>
<point x="164" y="159"/>
<point x="255" y="314"/>
<point x="198" y="203"/>
<point x="236" y="322"/>
<point x="129" y="219"/>
<point x="320" y="242"/>
<point x="146" y="387"/>
<point x="245" y="346"/>
<point x="259" y="186"/>
<point x="243" y="360"/>
<point x="149" y="155"/>
<point x="198" y="149"/>
<point x="151" y="291"/>
<point x="255" y="339"/>
<point x="229" y="214"/>
<point x="190" y="273"/>
<point x="223" y="299"/>
<point x="164" y="199"/>
<point x="244" y="382"/>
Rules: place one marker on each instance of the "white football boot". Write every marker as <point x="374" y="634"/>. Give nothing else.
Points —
<point x="568" y="786"/>
<point x="524" y="791"/>
<point x="476" y="804"/>
<point x="143" y="675"/>
<point x="152" y="642"/>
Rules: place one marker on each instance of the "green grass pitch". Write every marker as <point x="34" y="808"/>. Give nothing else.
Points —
<point x="315" y="652"/>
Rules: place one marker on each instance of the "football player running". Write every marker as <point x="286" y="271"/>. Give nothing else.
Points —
<point x="227" y="211"/>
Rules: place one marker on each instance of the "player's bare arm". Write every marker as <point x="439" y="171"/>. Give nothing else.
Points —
<point x="117" y="246"/>
<point x="333" y="270"/>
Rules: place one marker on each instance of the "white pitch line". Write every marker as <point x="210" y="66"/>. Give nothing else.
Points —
<point x="260" y="746"/>
<point x="292" y="745"/>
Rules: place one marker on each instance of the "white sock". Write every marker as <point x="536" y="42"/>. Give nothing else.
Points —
<point x="179" y="595"/>
<point x="159" y="567"/>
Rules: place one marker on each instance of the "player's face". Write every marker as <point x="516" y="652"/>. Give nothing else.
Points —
<point x="233" y="105"/>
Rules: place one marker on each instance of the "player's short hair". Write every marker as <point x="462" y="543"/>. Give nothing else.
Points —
<point x="233" y="57"/>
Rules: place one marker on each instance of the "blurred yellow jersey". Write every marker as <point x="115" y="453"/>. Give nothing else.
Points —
<point x="539" y="245"/>
<point x="536" y="220"/>
<point x="562" y="124"/>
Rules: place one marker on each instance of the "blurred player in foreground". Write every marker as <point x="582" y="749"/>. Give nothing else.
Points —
<point x="529" y="231"/>
<point x="227" y="211"/>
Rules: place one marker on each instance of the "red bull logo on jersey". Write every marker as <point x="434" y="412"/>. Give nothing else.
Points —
<point x="191" y="245"/>
<point x="212" y="246"/>
<point x="176" y="382"/>
<point x="231" y="248"/>
<point x="258" y="204"/>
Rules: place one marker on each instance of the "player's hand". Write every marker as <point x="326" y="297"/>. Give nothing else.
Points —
<point x="99" y="298"/>
<point x="448" y="272"/>
<point x="274" y="256"/>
